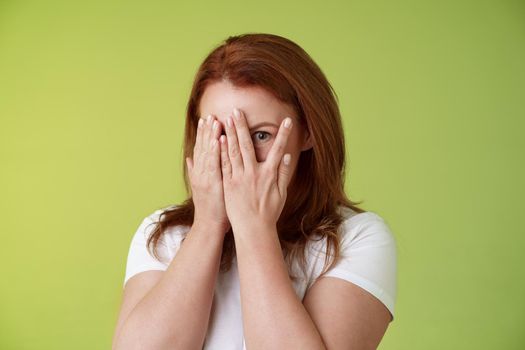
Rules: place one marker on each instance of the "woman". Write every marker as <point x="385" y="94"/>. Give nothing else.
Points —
<point x="241" y="260"/>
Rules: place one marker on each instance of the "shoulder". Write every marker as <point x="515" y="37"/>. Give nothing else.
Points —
<point x="366" y="226"/>
<point x="368" y="256"/>
<point x="167" y="242"/>
<point x="139" y="255"/>
<point x="156" y="214"/>
<point x="153" y="218"/>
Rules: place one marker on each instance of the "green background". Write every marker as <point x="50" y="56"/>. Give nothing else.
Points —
<point x="92" y="104"/>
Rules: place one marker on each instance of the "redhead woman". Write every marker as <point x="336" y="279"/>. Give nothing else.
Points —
<point x="267" y="252"/>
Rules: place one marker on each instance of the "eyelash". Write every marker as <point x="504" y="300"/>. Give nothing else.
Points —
<point x="262" y="132"/>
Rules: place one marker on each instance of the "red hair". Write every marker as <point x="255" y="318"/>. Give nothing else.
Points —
<point x="286" y="71"/>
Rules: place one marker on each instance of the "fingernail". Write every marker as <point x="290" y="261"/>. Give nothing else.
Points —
<point x="287" y="122"/>
<point x="286" y="158"/>
<point x="200" y="122"/>
<point x="215" y="124"/>
<point x="237" y="114"/>
<point x="209" y="119"/>
<point x="230" y="121"/>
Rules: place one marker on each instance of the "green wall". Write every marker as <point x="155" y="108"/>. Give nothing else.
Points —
<point x="92" y="103"/>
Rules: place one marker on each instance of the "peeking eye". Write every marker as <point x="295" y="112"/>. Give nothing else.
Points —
<point x="261" y="137"/>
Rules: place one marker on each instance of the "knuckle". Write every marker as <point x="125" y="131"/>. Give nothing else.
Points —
<point x="269" y="172"/>
<point x="280" y="147"/>
<point x="211" y="167"/>
<point x="234" y="151"/>
<point x="249" y="172"/>
<point x="234" y="181"/>
<point x="266" y="172"/>
<point x="245" y="144"/>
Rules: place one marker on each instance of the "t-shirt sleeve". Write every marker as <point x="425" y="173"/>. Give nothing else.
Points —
<point x="369" y="257"/>
<point x="139" y="258"/>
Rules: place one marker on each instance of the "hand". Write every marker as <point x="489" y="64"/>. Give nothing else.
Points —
<point x="254" y="193"/>
<point x="206" y="178"/>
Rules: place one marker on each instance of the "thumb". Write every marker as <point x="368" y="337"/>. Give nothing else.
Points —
<point x="189" y="163"/>
<point x="284" y="173"/>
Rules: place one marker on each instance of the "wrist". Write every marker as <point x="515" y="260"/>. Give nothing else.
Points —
<point x="209" y="229"/>
<point x="254" y="227"/>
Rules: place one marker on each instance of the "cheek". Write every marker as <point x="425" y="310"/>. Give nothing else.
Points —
<point x="293" y="145"/>
<point x="261" y="153"/>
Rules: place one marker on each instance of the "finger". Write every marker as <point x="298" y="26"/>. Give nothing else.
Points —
<point x="215" y="131"/>
<point x="202" y="157"/>
<point x="234" y="155"/>
<point x="225" y="159"/>
<point x="284" y="174"/>
<point x="207" y="132"/>
<point x="215" y="150"/>
<point x="245" y="140"/>
<point x="276" y="152"/>
<point x="212" y="157"/>
<point x="198" y="141"/>
<point x="213" y="164"/>
<point x="189" y="164"/>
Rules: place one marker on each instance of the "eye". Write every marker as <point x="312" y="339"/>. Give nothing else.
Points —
<point x="261" y="136"/>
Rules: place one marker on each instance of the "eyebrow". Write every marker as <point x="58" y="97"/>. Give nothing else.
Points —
<point x="258" y="125"/>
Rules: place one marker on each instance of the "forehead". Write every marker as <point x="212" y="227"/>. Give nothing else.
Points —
<point x="257" y="104"/>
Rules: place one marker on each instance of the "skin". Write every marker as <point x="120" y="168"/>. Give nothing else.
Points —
<point x="263" y="116"/>
<point x="255" y="178"/>
<point x="244" y="184"/>
<point x="335" y="314"/>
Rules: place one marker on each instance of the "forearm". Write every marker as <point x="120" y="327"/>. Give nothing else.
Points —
<point x="273" y="316"/>
<point x="175" y="313"/>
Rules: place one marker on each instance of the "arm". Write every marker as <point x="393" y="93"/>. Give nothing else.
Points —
<point x="255" y="193"/>
<point x="335" y="314"/>
<point x="346" y="315"/>
<point x="351" y="303"/>
<point x="174" y="314"/>
<point x="273" y="315"/>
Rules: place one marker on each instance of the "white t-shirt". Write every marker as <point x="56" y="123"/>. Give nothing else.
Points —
<point x="369" y="260"/>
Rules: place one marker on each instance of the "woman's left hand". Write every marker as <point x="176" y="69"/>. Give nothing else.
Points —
<point x="254" y="193"/>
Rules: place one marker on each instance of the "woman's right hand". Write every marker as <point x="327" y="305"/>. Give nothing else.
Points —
<point x="205" y="175"/>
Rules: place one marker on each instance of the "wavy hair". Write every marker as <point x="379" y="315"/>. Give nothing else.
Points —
<point x="286" y="71"/>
